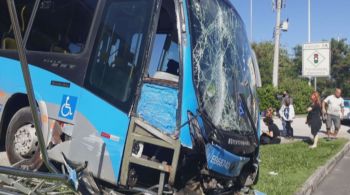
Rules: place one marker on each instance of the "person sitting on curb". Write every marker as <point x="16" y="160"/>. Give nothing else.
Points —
<point x="269" y="113"/>
<point x="272" y="136"/>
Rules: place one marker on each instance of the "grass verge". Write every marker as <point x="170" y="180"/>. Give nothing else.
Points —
<point x="294" y="163"/>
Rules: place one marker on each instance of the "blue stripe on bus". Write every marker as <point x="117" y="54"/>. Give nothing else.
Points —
<point x="101" y="115"/>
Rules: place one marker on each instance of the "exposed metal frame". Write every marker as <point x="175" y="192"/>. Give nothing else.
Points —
<point x="140" y="131"/>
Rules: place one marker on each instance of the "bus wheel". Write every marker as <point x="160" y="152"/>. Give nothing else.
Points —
<point x="21" y="141"/>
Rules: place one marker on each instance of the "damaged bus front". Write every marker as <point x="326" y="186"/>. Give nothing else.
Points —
<point x="150" y="95"/>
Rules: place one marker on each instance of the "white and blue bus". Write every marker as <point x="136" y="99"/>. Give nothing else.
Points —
<point x="144" y="92"/>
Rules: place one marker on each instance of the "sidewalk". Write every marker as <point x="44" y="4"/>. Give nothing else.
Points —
<point x="337" y="181"/>
<point x="302" y="131"/>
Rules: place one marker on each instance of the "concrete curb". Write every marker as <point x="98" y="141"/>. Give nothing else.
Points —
<point x="315" y="179"/>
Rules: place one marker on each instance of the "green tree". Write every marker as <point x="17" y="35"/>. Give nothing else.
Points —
<point x="300" y="91"/>
<point x="289" y="77"/>
<point x="298" y="59"/>
<point x="264" y="54"/>
<point x="340" y="65"/>
<point x="290" y="70"/>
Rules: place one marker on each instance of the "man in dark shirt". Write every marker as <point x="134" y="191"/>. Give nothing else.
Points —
<point x="272" y="136"/>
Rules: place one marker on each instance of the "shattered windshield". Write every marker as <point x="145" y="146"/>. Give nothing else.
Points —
<point x="223" y="67"/>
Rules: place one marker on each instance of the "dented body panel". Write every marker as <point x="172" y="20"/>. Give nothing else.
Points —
<point x="204" y="108"/>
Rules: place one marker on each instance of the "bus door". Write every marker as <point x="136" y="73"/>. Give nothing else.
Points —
<point x="114" y="71"/>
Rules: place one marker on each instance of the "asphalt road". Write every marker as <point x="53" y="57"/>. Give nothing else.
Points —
<point x="337" y="182"/>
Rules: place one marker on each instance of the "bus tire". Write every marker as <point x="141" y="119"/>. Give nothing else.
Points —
<point x="21" y="142"/>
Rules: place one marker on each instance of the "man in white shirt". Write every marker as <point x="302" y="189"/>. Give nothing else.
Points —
<point x="334" y="111"/>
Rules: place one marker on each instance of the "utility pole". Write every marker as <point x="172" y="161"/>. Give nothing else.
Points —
<point x="278" y="5"/>
<point x="309" y="22"/>
<point x="309" y="28"/>
<point x="309" y="39"/>
<point x="251" y="21"/>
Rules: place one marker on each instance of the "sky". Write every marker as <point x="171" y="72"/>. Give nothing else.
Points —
<point x="329" y="19"/>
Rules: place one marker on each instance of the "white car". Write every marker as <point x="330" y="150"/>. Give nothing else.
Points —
<point x="346" y="110"/>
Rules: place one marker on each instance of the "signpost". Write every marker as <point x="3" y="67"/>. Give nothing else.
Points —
<point x="316" y="60"/>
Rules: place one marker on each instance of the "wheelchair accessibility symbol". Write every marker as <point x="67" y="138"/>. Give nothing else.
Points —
<point x="67" y="108"/>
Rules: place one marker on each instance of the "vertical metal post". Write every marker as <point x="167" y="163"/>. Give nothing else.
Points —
<point x="251" y="20"/>
<point x="277" y="43"/>
<point x="309" y="21"/>
<point x="315" y="84"/>
<point x="309" y="28"/>
<point x="309" y="39"/>
<point x="28" y="83"/>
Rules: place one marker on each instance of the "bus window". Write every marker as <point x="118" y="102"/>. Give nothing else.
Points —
<point x="61" y="26"/>
<point x="164" y="63"/>
<point x="24" y="9"/>
<point x="115" y="65"/>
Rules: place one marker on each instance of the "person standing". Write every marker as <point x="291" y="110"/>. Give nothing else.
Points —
<point x="285" y="97"/>
<point x="334" y="111"/>
<point x="287" y="113"/>
<point x="314" y="117"/>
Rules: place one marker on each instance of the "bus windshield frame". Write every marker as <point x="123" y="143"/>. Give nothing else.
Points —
<point x="223" y="66"/>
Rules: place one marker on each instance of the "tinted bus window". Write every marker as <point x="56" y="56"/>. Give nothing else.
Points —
<point x="24" y="10"/>
<point x="62" y="26"/>
<point x="116" y="62"/>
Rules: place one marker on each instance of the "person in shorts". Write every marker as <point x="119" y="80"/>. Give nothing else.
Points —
<point x="334" y="111"/>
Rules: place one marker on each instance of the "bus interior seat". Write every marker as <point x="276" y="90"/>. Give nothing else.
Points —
<point x="39" y="41"/>
<point x="8" y="41"/>
<point x="173" y="67"/>
<point x="57" y="49"/>
<point x="171" y="73"/>
<point x="166" y="76"/>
